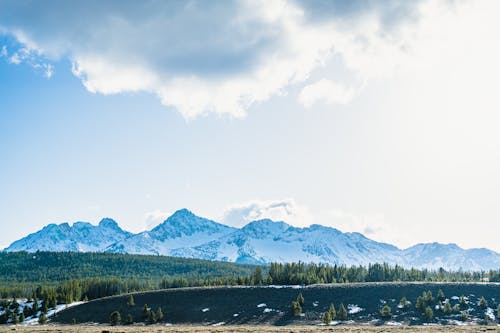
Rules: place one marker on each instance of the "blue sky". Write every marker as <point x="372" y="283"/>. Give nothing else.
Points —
<point x="380" y="117"/>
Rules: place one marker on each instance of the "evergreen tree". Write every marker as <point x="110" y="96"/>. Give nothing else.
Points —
<point x="22" y="317"/>
<point x="342" y="312"/>
<point x="483" y="303"/>
<point x="463" y="302"/>
<point x="45" y="308"/>
<point x="73" y="321"/>
<point x="151" y="317"/>
<point x="331" y="310"/>
<point x="456" y="308"/>
<point x="300" y="299"/>
<point x="296" y="309"/>
<point x="129" y="320"/>
<point x="42" y="319"/>
<point x="447" y="308"/>
<point x="428" y="313"/>
<point x="441" y="296"/>
<point x="327" y="318"/>
<point x="15" y="318"/>
<point x="385" y="312"/>
<point x="35" y="306"/>
<point x="115" y="318"/>
<point x="498" y="312"/>
<point x="403" y="303"/>
<point x="131" y="301"/>
<point x="159" y="314"/>
<point x="145" y="311"/>
<point x="464" y="315"/>
<point x="257" y="276"/>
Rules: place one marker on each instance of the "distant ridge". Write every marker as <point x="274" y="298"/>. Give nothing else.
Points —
<point x="259" y="242"/>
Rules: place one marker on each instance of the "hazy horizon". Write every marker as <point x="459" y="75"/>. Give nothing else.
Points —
<point x="374" y="117"/>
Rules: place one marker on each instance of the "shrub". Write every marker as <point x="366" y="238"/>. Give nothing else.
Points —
<point x="385" y="312"/>
<point x="129" y="320"/>
<point x="115" y="318"/>
<point x="300" y="299"/>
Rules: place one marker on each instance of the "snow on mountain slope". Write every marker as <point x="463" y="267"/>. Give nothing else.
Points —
<point x="186" y="235"/>
<point x="266" y="241"/>
<point x="451" y="256"/>
<point x="182" y="229"/>
<point x="80" y="237"/>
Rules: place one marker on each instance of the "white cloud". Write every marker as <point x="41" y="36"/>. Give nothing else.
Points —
<point x="369" y="225"/>
<point x="3" y="52"/>
<point x="202" y="57"/>
<point x="153" y="218"/>
<point x="286" y="210"/>
<point x="15" y="59"/>
<point x="326" y="91"/>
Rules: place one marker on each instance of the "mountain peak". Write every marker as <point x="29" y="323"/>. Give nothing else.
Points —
<point x="108" y="223"/>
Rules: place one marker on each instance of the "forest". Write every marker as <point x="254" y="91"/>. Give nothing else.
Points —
<point x="68" y="276"/>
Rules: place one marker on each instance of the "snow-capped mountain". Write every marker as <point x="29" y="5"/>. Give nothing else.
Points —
<point x="182" y="229"/>
<point x="186" y="235"/>
<point x="80" y="237"/>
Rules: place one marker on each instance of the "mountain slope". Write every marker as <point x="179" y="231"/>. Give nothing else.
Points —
<point x="259" y="242"/>
<point x="182" y="229"/>
<point x="80" y="237"/>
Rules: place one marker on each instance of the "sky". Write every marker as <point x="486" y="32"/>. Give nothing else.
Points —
<point x="379" y="117"/>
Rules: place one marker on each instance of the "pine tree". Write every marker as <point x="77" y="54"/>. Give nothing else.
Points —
<point x="73" y="321"/>
<point x="15" y="318"/>
<point x="300" y="299"/>
<point x="464" y="315"/>
<point x="151" y="317"/>
<point x="429" y="314"/>
<point x="43" y="319"/>
<point x="22" y="317"/>
<point x="131" y="301"/>
<point x="115" y="318"/>
<point x="456" y="308"/>
<point x="385" y="312"/>
<point x="403" y="303"/>
<point x="342" y="312"/>
<point x="296" y="309"/>
<point x="463" y="302"/>
<point x="145" y="311"/>
<point x="159" y="314"/>
<point x="35" y="306"/>
<point x="129" y="320"/>
<point x="45" y="307"/>
<point x="327" y="318"/>
<point x="483" y="303"/>
<point x="441" y="296"/>
<point x="257" y="276"/>
<point x="498" y="312"/>
<point x="331" y="310"/>
<point x="447" y="308"/>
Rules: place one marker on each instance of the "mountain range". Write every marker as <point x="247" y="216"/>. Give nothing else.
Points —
<point x="259" y="242"/>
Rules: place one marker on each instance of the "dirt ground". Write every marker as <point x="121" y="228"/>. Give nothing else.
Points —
<point x="243" y="329"/>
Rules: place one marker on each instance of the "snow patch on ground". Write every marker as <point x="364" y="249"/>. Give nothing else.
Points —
<point x="205" y="309"/>
<point x="267" y="310"/>
<point x="315" y="303"/>
<point x="490" y="313"/>
<point x="219" y="324"/>
<point x="393" y="323"/>
<point x="353" y="308"/>
<point x="261" y="305"/>
<point x="236" y="314"/>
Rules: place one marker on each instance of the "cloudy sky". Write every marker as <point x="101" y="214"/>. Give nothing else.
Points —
<point x="374" y="116"/>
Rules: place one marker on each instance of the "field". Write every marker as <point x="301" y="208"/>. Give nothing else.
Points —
<point x="244" y="329"/>
<point x="271" y="305"/>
